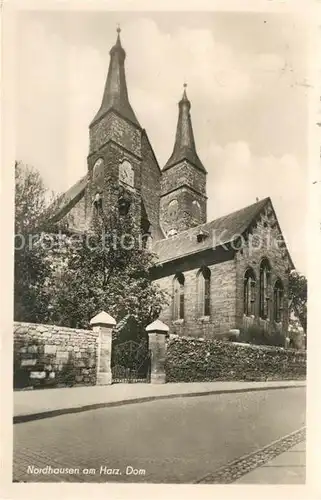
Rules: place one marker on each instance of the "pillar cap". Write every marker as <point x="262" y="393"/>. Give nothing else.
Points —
<point x="157" y="326"/>
<point x="103" y="319"/>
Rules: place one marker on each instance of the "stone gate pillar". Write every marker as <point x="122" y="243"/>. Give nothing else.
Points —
<point x="157" y="333"/>
<point x="103" y="324"/>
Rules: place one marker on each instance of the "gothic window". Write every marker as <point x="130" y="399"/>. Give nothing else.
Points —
<point x="98" y="169"/>
<point x="249" y="292"/>
<point x="265" y="278"/>
<point x="172" y="210"/>
<point x="196" y="209"/>
<point x="124" y="201"/>
<point x="278" y="301"/>
<point x="98" y="202"/>
<point x="178" y="297"/>
<point x="204" y="291"/>
<point x="126" y="173"/>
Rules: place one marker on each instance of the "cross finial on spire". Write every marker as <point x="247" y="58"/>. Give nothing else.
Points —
<point x="184" y="147"/>
<point x="115" y="93"/>
<point x="184" y="98"/>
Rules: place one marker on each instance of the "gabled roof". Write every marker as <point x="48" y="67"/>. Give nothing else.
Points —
<point x="220" y="231"/>
<point x="69" y="199"/>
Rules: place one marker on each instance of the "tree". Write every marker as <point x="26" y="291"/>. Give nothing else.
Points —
<point x="298" y="288"/>
<point x="31" y="266"/>
<point x="107" y="269"/>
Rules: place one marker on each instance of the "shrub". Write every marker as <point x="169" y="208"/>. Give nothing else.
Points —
<point x="256" y="334"/>
<point x="194" y="360"/>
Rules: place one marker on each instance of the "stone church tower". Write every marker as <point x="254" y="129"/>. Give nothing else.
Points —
<point x="114" y="160"/>
<point x="183" y="185"/>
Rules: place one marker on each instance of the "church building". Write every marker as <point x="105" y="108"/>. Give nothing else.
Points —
<point x="224" y="274"/>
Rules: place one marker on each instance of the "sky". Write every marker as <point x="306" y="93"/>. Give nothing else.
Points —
<point x="247" y="83"/>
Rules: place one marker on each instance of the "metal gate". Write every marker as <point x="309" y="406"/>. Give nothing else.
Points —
<point x="130" y="362"/>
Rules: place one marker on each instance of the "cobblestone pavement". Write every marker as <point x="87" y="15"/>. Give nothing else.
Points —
<point x="234" y="470"/>
<point x="287" y="468"/>
<point x="168" y="441"/>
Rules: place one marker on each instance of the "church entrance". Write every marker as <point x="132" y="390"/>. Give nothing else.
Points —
<point x="130" y="362"/>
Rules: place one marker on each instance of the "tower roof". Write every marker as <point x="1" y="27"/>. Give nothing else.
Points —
<point x="184" y="147"/>
<point x="115" y="93"/>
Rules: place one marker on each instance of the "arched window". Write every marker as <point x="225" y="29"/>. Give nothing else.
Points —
<point x="178" y="297"/>
<point x="126" y="173"/>
<point x="196" y="209"/>
<point x="278" y="301"/>
<point x="98" y="169"/>
<point x="249" y="292"/>
<point x="204" y="291"/>
<point x="172" y="210"/>
<point x="265" y="279"/>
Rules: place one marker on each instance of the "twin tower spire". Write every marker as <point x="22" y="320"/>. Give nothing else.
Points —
<point x="115" y="98"/>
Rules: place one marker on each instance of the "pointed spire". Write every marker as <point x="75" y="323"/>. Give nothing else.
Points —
<point x="184" y="98"/>
<point x="115" y="92"/>
<point x="184" y="147"/>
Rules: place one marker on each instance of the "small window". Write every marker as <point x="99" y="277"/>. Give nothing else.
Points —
<point x="98" y="203"/>
<point x="196" y="209"/>
<point x="278" y="301"/>
<point x="204" y="291"/>
<point x="98" y="169"/>
<point x="265" y="279"/>
<point x="249" y="292"/>
<point x="178" y="297"/>
<point x="126" y="173"/>
<point x="172" y="210"/>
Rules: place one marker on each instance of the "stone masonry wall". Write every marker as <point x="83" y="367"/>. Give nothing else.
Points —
<point x="113" y="127"/>
<point x="183" y="173"/>
<point x="69" y="355"/>
<point x="265" y="236"/>
<point x="150" y="183"/>
<point x="223" y="301"/>
<point x="108" y="185"/>
<point x="186" y="216"/>
<point x="78" y="217"/>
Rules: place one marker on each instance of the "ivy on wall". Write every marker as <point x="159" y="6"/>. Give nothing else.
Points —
<point x="195" y="360"/>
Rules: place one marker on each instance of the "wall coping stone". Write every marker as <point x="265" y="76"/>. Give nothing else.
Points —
<point x="52" y="328"/>
<point x="157" y="326"/>
<point x="103" y="319"/>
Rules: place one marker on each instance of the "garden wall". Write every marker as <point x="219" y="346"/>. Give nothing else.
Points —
<point x="53" y="355"/>
<point x="196" y="360"/>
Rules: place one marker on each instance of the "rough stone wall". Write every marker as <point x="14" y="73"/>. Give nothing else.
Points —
<point x="113" y="127"/>
<point x="186" y="184"/>
<point x="108" y="184"/>
<point x="78" y="217"/>
<point x="70" y="354"/>
<point x="150" y="187"/>
<point x="263" y="243"/>
<point x="187" y="215"/>
<point x="222" y="305"/>
<point x="183" y="173"/>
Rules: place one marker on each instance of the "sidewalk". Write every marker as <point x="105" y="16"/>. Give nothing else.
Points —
<point x="286" y="468"/>
<point x="42" y="403"/>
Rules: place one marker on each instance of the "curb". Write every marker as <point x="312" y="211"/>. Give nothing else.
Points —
<point x="19" y="419"/>
<point x="232" y="471"/>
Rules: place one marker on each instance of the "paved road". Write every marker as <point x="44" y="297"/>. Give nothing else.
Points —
<point x="177" y="440"/>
